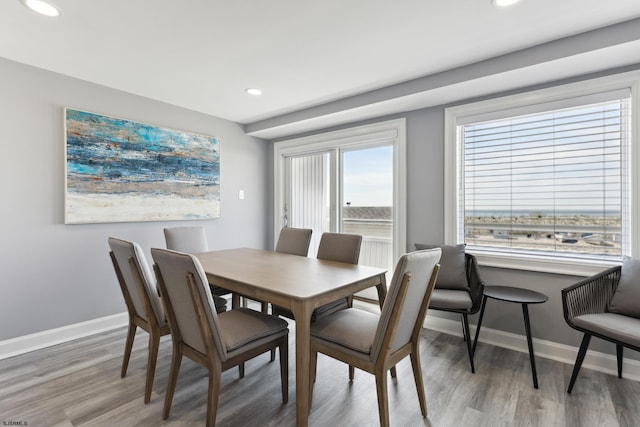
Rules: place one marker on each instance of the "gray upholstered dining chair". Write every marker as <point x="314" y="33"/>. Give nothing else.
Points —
<point x="192" y="240"/>
<point x="459" y="288"/>
<point x="294" y="241"/>
<point x="215" y="341"/>
<point x="337" y="247"/>
<point x="375" y="343"/>
<point x="607" y="306"/>
<point x="145" y="309"/>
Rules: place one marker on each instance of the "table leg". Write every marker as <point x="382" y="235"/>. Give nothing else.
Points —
<point x="302" y="314"/>
<point x="475" y="340"/>
<point x="382" y="290"/>
<point x="527" y="327"/>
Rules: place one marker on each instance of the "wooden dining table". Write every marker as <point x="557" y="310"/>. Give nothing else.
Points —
<point x="298" y="283"/>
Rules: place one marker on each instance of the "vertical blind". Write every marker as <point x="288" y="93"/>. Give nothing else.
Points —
<point x="553" y="181"/>
<point x="309" y="194"/>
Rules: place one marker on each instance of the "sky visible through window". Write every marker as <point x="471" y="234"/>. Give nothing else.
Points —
<point x="368" y="176"/>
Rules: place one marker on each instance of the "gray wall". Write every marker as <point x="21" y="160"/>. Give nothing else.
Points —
<point x="425" y="223"/>
<point x="55" y="274"/>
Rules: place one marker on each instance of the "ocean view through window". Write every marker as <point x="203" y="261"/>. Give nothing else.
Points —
<point x="546" y="176"/>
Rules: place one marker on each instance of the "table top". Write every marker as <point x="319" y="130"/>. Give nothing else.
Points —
<point x="254" y="272"/>
<point x="513" y="294"/>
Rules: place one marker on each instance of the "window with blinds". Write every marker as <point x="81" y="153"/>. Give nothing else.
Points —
<point x="552" y="182"/>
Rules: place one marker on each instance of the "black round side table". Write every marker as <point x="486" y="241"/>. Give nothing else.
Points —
<point x="520" y="296"/>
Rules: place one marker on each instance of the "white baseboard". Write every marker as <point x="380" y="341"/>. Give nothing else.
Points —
<point x="24" y="344"/>
<point x="551" y="350"/>
<point x="595" y="360"/>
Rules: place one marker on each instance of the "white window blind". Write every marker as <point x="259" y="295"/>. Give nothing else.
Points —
<point x="552" y="182"/>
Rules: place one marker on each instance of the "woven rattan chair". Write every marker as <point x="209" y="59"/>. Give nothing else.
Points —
<point x="587" y="308"/>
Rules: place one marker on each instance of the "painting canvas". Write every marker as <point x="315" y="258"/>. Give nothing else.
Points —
<point x="118" y="170"/>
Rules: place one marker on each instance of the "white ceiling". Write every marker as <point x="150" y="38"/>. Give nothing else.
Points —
<point x="202" y="54"/>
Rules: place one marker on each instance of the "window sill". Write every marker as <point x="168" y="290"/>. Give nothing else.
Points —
<point x="544" y="264"/>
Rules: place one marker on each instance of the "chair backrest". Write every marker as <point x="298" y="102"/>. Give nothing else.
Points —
<point x="294" y="241"/>
<point x="131" y="265"/>
<point x="406" y="305"/>
<point x="340" y="247"/>
<point x="186" y="239"/>
<point x="453" y="273"/>
<point x="175" y="271"/>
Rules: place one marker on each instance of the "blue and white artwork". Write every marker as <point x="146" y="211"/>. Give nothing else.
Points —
<point x="118" y="170"/>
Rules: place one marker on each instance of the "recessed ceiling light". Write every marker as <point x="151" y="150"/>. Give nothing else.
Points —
<point x="253" y="91"/>
<point x="42" y="7"/>
<point x="504" y="3"/>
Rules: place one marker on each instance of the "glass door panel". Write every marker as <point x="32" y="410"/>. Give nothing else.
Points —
<point x="367" y="205"/>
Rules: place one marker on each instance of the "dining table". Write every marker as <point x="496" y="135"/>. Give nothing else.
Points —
<point x="298" y="283"/>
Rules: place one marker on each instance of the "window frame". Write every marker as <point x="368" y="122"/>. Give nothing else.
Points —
<point x="533" y="262"/>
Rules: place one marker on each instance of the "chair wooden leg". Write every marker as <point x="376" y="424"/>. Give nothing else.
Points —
<point x="174" y="370"/>
<point x="212" y="396"/>
<point x="241" y="370"/>
<point x="264" y="307"/>
<point x="131" y="334"/>
<point x="352" y="372"/>
<point x="579" y="359"/>
<point x="394" y="373"/>
<point x="619" y="350"/>
<point x="383" y="399"/>
<point x="417" y="376"/>
<point x="235" y="301"/>
<point x="154" y="343"/>
<point x="467" y="338"/>
<point x="284" y="368"/>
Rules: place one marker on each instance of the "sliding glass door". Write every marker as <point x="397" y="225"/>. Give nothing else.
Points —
<point x="346" y="187"/>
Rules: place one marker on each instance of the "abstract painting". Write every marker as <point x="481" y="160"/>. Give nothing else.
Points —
<point x="118" y="170"/>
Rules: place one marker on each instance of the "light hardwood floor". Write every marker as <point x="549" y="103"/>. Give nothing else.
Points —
<point x="78" y="384"/>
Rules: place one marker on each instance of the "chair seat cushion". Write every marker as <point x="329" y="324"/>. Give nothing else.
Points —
<point x="626" y="300"/>
<point x="242" y="326"/>
<point x="619" y="327"/>
<point x="351" y="328"/>
<point x="449" y="299"/>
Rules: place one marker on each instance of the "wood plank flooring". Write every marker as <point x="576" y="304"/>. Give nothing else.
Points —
<point x="79" y="384"/>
